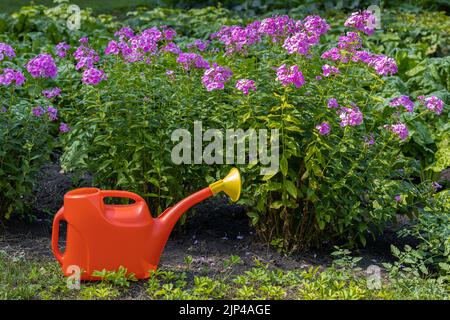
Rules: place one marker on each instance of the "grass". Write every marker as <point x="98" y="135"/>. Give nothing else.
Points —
<point x="21" y="278"/>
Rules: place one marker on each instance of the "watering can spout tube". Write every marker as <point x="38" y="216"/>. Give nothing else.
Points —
<point x="231" y="185"/>
<point x="170" y="217"/>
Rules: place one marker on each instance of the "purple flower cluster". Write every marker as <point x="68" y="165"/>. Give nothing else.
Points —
<point x="297" y="36"/>
<point x="350" y="116"/>
<point x="323" y="128"/>
<point x="171" y="47"/>
<point x="332" y="103"/>
<point x="236" y="38"/>
<point x="432" y="103"/>
<point x="85" y="57"/>
<point x="51" y="93"/>
<point x="63" y="127"/>
<point x="168" y="33"/>
<point x="138" y="47"/>
<point x="214" y="78"/>
<point x="112" y="48"/>
<point x="383" y="65"/>
<point x="61" y="49"/>
<point x="332" y="54"/>
<point x="288" y="76"/>
<point x="42" y="66"/>
<point x="404" y="101"/>
<point x="10" y="75"/>
<point x="348" y="45"/>
<point x="300" y="43"/>
<point x="188" y="60"/>
<point x="364" y="21"/>
<point x="245" y="85"/>
<point x="277" y="27"/>
<point x="170" y="74"/>
<point x="93" y="76"/>
<point x="52" y="113"/>
<point x="6" y="50"/>
<point x="329" y="70"/>
<point x="436" y="186"/>
<point x="124" y="32"/>
<point x="198" y="44"/>
<point x="399" y="129"/>
<point x="350" y="42"/>
<point x="370" y="140"/>
<point x="38" y="111"/>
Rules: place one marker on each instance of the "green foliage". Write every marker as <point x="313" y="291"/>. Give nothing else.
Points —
<point x="24" y="278"/>
<point x="431" y="257"/>
<point x="25" y="145"/>
<point x="118" y="278"/>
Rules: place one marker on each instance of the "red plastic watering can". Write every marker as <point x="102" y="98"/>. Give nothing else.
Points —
<point x="104" y="236"/>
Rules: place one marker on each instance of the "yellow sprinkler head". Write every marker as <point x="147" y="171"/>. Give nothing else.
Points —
<point x="231" y="185"/>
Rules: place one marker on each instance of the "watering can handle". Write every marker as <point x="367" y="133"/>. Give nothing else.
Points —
<point x="55" y="234"/>
<point x="121" y="194"/>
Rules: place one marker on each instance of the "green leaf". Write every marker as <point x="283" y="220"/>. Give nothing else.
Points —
<point x="291" y="188"/>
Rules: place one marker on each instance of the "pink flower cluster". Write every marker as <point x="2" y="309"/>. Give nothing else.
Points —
<point x="189" y="60"/>
<point x="245" y="85"/>
<point x="329" y="70"/>
<point x="350" y="116"/>
<point x="10" y="75"/>
<point x="350" y="42"/>
<point x="432" y="103"/>
<point x="277" y="27"/>
<point x="6" y="50"/>
<point x="364" y="21"/>
<point x="291" y="75"/>
<point x="93" y="76"/>
<point x="297" y="36"/>
<point x="348" y="45"/>
<point x="307" y="34"/>
<point x="399" y="129"/>
<point x="215" y="77"/>
<point x="85" y="57"/>
<point x="323" y="128"/>
<point x="236" y="38"/>
<point x="140" y="46"/>
<point x="404" y="101"/>
<point x="383" y="65"/>
<point x="42" y="66"/>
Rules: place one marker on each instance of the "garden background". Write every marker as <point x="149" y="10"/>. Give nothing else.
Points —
<point x="360" y="206"/>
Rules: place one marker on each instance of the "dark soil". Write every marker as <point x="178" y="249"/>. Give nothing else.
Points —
<point x="214" y="231"/>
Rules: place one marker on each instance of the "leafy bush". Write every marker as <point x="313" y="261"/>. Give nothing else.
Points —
<point x="26" y="139"/>
<point x="431" y="257"/>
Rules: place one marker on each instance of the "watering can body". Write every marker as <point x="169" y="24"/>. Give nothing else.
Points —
<point x="106" y="237"/>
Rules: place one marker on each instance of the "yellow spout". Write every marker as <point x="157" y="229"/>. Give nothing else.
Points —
<point x="231" y="185"/>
